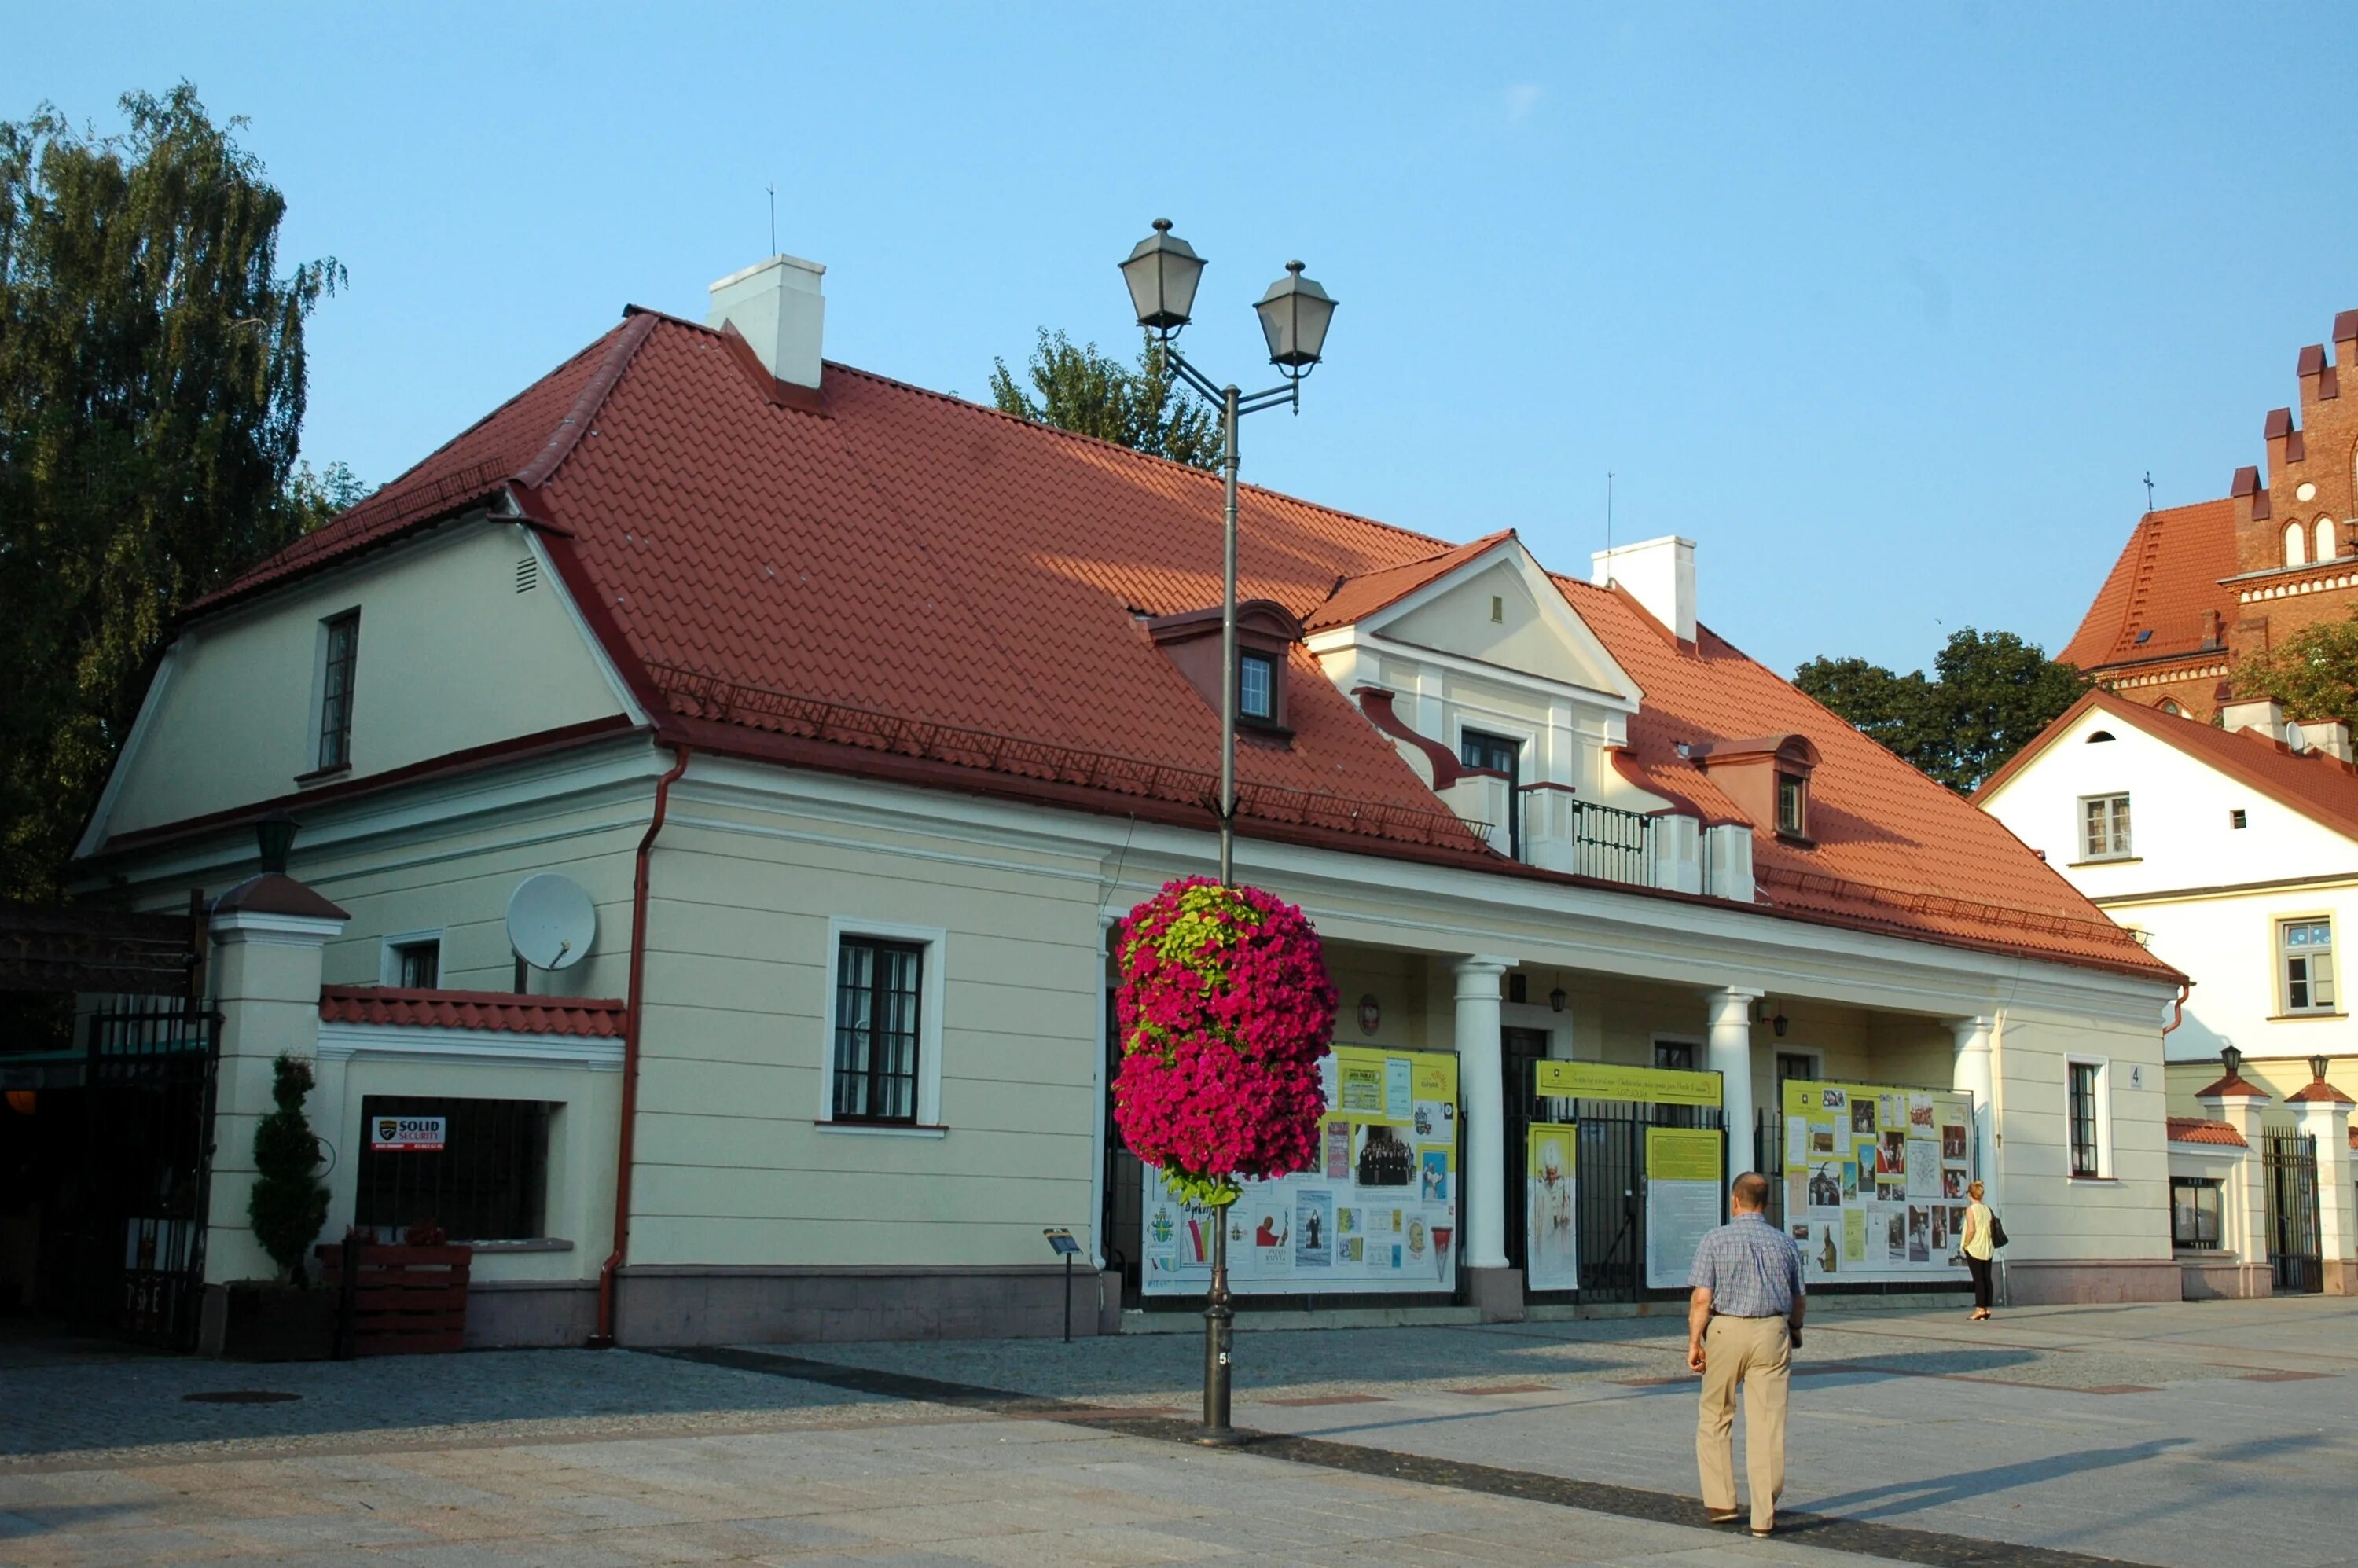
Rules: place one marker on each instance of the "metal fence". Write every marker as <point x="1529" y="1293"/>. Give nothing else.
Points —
<point x="2295" y="1247"/>
<point x="1612" y="844"/>
<point x="147" y="1164"/>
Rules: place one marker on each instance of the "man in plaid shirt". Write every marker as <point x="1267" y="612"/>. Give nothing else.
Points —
<point x="1744" y="1322"/>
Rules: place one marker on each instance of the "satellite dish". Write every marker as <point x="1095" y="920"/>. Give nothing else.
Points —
<point x="551" y="921"/>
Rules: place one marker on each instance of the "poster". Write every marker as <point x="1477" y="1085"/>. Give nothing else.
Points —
<point x="1878" y="1206"/>
<point x="1683" y="1193"/>
<point x="1610" y="1080"/>
<point x="1551" y="1206"/>
<point x="1376" y="1211"/>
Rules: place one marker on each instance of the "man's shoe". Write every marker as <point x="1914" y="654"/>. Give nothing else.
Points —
<point x="1764" y="1531"/>
<point x="1723" y="1515"/>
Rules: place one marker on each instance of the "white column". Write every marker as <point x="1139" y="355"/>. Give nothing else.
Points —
<point x="1977" y="1075"/>
<point x="265" y="978"/>
<point x="2244" y="1205"/>
<point x="1482" y="1082"/>
<point x="2328" y="1121"/>
<point x="1731" y="1058"/>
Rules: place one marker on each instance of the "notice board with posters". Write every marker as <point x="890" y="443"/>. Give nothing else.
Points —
<point x="1682" y="1167"/>
<point x="1874" y="1180"/>
<point x="1377" y="1212"/>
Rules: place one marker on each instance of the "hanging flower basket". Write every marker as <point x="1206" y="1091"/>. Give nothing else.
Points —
<point x="1224" y="1009"/>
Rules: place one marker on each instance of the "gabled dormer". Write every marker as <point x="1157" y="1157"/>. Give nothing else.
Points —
<point x="1266" y="633"/>
<point x="1495" y="691"/>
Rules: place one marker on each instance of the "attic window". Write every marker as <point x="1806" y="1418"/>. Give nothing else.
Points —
<point x="2237" y="817"/>
<point x="2100" y="735"/>
<point x="1498" y="608"/>
<point x="527" y="574"/>
<point x="1257" y="687"/>
<point x="2144" y="636"/>
<point x="1794" y="804"/>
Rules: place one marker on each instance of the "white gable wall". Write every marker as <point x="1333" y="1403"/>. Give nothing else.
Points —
<point x="2210" y="895"/>
<point x="451" y="656"/>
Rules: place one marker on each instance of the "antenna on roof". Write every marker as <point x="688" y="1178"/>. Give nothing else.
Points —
<point x="774" y="217"/>
<point x="2148" y="490"/>
<point x="1608" y="527"/>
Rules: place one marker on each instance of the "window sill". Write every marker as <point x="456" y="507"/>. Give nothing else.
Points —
<point x="527" y="1244"/>
<point x="2107" y="1181"/>
<point x="883" y="1129"/>
<point x="1799" y="840"/>
<point x="2303" y="1017"/>
<point x="322" y="775"/>
<point x="2204" y="1254"/>
<point x="2105" y="860"/>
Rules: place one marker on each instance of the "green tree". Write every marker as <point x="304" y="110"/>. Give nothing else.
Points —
<point x="2314" y="673"/>
<point x="151" y="401"/>
<point x="289" y="1203"/>
<point x="1146" y="409"/>
<point x="1989" y="695"/>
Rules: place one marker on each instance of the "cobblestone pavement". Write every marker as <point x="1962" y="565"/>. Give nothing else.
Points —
<point x="579" y="1458"/>
<point x="2125" y="1432"/>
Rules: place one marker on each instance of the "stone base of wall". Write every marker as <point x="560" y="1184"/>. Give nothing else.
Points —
<point x="2224" y="1279"/>
<point x="2065" y="1282"/>
<point x="689" y="1305"/>
<point x="2340" y="1276"/>
<point x="1495" y="1294"/>
<point x="515" y="1315"/>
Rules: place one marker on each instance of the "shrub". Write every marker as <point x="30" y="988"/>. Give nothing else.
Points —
<point x="289" y="1203"/>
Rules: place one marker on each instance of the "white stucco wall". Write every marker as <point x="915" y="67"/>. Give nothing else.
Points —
<point x="450" y="657"/>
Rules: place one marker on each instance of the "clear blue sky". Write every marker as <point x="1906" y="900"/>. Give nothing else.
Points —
<point x="1890" y="307"/>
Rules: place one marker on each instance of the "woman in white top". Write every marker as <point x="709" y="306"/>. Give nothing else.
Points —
<point x="1977" y="1249"/>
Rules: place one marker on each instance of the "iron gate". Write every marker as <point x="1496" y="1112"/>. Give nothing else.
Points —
<point x="146" y="1164"/>
<point x="1610" y="1171"/>
<point x="2295" y="1248"/>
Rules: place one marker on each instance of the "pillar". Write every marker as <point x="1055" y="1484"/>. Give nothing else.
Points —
<point x="2243" y="1201"/>
<point x="1975" y="1074"/>
<point x="1492" y="1285"/>
<point x="264" y="971"/>
<point x="1730" y="1056"/>
<point x="2324" y="1114"/>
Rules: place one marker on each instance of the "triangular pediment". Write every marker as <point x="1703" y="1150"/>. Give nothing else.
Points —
<point x="1501" y="611"/>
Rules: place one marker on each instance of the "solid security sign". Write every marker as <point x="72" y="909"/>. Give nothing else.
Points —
<point x="407" y="1134"/>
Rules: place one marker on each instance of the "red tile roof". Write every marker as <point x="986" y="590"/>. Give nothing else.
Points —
<point x="2166" y="577"/>
<point x="909" y="585"/>
<point x="2196" y="1129"/>
<point x="2317" y="1092"/>
<point x="594" y="1018"/>
<point x="2233" y="1086"/>
<point x="2319" y="787"/>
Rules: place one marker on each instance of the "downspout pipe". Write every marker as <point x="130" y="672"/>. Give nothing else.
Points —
<point x="2179" y="1015"/>
<point x="627" y="1138"/>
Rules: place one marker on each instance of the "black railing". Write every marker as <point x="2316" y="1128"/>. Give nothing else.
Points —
<point x="147" y="1151"/>
<point x="1611" y="844"/>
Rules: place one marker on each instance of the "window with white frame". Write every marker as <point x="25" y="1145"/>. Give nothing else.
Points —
<point x="2088" y="1120"/>
<point x="1257" y="685"/>
<point x="2194" y="1213"/>
<point x="2305" y="964"/>
<point x="2104" y="827"/>
<point x="339" y="646"/>
<point x="883" y="1027"/>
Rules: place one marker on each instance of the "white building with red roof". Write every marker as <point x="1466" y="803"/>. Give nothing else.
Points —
<point x="2231" y="850"/>
<point x="860" y="713"/>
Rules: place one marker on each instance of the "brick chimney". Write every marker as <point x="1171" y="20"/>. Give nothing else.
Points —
<point x="777" y="306"/>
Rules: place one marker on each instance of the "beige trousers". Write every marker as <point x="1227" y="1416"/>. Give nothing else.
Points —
<point x="1756" y="1353"/>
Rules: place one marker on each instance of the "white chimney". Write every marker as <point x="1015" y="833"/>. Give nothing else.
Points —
<point x="2262" y="714"/>
<point x="2330" y="736"/>
<point x="1659" y="573"/>
<point x="777" y="306"/>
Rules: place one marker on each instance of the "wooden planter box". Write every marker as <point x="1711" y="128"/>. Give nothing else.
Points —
<point x="263" y="1321"/>
<point x="405" y="1300"/>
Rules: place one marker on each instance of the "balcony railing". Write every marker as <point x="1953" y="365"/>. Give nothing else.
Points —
<point x="1610" y="843"/>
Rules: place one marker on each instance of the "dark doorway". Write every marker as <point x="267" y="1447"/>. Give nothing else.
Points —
<point x="1523" y="1048"/>
<point x="1499" y="754"/>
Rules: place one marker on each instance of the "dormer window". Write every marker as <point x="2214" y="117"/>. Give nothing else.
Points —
<point x="1793" y="805"/>
<point x="1257" y="687"/>
<point x="1265" y="631"/>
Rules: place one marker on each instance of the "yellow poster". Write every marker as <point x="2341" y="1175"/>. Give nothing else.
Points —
<point x="1681" y="1155"/>
<point x="1907" y="1150"/>
<point x="1552" y="1253"/>
<point x="1853" y="1236"/>
<point x="1610" y="1080"/>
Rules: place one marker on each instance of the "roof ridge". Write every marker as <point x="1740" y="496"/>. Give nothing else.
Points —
<point x="634" y="332"/>
<point x="1443" y="546"/>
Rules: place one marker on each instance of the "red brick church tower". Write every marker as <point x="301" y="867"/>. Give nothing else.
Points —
<point x="2198" y="587"/>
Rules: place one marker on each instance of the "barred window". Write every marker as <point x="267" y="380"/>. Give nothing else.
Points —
<point x="485" y="1178"/>
<point x="877" y="988"/>
<point x="2085" y="1156"/>
<point x="343" y="652"/>
<point x="2194" y="1212"/>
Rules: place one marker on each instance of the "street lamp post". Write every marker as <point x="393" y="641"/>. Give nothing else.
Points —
<point x="1162" y="271"/>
